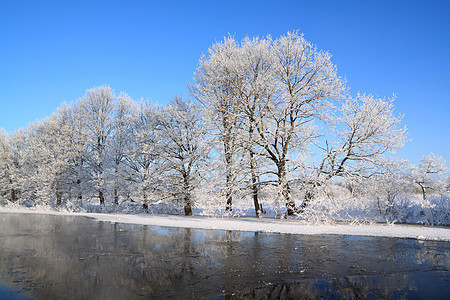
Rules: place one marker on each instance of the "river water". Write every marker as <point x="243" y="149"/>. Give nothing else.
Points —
<point x="56" y="257"/>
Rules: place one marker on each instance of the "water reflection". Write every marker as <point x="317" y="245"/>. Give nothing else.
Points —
<point x="51" y="257"/>
<point x="394" y="286"/>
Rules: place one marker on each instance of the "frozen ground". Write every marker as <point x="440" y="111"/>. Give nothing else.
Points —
<point x="262" y="225"/>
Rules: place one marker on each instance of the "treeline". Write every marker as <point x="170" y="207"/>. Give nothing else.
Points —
<point x="264" y="113"/>
<point x="107" y="147"/>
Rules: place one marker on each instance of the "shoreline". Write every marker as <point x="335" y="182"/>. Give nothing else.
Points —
<point x="263" y="225"/>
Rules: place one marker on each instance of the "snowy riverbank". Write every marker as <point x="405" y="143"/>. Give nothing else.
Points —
<point x="262" y="225"/>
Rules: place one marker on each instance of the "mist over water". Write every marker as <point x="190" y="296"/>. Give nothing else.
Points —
<point x="49" y="257"/>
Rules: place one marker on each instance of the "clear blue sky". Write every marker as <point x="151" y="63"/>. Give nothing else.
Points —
<point x="52" y="51"/>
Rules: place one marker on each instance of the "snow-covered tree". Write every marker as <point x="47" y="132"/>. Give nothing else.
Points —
<point x="7" y="179"/>
<point x="278" y="87"/>
<point x="97" y="108"/>
<point x="430" y="165"/>
<point x="69" y="126"/>
<point x="213" y="88"/>
<point x="253" y="90"/>
<point x="141" y="154"/>
<point x="271" y="115"/>
<point x="59" y="153"/>
<point x="366" y="130"/>
<point x="13" y="151"/>
<point x="387" y="185"/>
<point x="305" y="81"/>
<point x="122" y="131"/>
<point x="182" y="148"/>
<point x="361" y="134"/>
<point x="47" y="166"/>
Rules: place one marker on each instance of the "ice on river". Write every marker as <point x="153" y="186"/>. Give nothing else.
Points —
<point x="264" y="225"/>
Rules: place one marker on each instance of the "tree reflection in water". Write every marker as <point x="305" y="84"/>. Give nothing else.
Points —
<point x="51" y="257"/>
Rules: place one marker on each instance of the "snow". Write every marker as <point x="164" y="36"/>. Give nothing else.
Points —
<point x="266" y="225"/>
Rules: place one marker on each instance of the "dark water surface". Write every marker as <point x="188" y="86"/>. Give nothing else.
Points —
<point x="55" y="257"/>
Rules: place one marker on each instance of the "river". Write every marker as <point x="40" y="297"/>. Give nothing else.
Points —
<point x="64" y="257"/>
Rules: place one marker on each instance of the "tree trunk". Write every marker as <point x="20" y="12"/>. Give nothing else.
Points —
<point x="58" y="197"/>
<point x="13" y="192"/>
<point x="116" y="197"/>
<point x="283" y="185"/>
<point x="424" y="192"/>
<point x="101" y="197"/>
<point x="229" y="180"/>
<point x="187" y="206"/>
<point x="116" y="194"/>
<point x="187" y="196"/>
<point x="254" y="185"/>
<point x="80" y="195"/>
<point x="258" y="209"/>
<point x="290" y="204"/>
<point x="145" y="204"/>
<point x="306" y="201"/>
<point x="100" y="183"/>
<point x="228" y="149"/>
<point x="309" y="197"/>
<point x="390" y="203"/>
<point x="13" y="195"/>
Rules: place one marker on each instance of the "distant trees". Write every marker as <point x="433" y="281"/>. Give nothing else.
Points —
<point x="387" y="185"/>
<point x="430" y="165"/>
<point x="7" y="169"/>
<point x="108" y="146"/>
<point x="13" y="157"/>
<point x="47" y="144"/>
